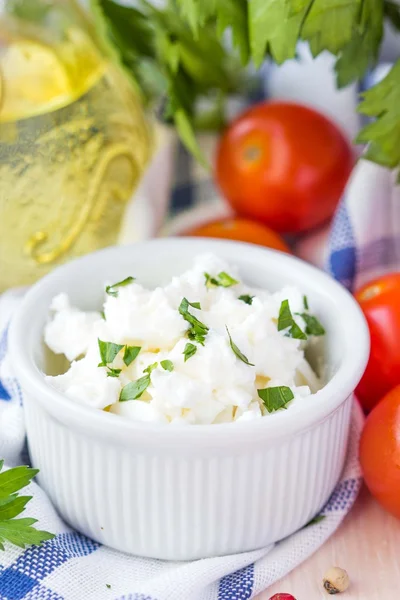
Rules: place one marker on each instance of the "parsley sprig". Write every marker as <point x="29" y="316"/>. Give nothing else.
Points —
<point x="177" y="56"/>
<point x="19" y="532"/>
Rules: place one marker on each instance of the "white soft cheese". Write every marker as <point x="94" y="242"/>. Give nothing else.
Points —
<point x="70" y="330"/>
<point x="85" y="382"/>
<point x="213" y="385"/>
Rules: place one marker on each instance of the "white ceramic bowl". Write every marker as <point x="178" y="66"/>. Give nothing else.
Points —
<point x="203" y="490"/>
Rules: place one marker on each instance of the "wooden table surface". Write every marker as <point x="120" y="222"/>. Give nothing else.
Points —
<point x="367" y="545"/>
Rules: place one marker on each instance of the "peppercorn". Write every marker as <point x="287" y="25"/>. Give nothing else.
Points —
<point x="336" y="580"/>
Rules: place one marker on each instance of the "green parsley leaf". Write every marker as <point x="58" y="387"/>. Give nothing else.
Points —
<point x="198" y="337"/>
<point x="130" y="353"/>
<point x="233" y="14"/>
<point x="210" y="281"/>
<point x="305" y="302"/>
<point x="17" y="531"/>
<point x="275" y="398"/>
<point x="195" y="305"/>
<point x="274" y="28"/>
<point x="315" y="520"/>
<point x="134" y="389"/>
<point x="113" y="372"/>
<point x="108" y="586"/>
<point x="111" y="289"/>
<point x="246" y="298"/>
<point x="329" y="24"/>
<point x="362" y="50"/>
<point x="150" y="368"/>
<point x="33" y="11"/>
<point x="382" y="135"/>
<point x="285" y="318"/>
<point x="191" y="10"/>
<point x="226" y="280"/>
<point x="236" y="350"/>
<point x="13" y="506"/>
<point x="189" y="351"/>
<point x="102" y="314"/>
<point x="186" y="132"/>
<point x="21" y="533"/>
<point x="221" y="280"/>
<point x="286" y="321"/>
<point x="167" y="365"/>
<point x="108" y="352"/>
<point x="198" y="330"/>
<point x="313" y="326"/>
<point x="392" y="12"/>
<point x="13" y="480"/>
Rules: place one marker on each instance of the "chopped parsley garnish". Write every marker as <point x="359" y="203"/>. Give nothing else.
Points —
<point x="236" y="350"/>
<point x="198" y="330"/>
<point x="113" y="372"/>
<point x="130" y="353"/>
<point x="134" y="389"/>
<point x="102" y="314"/>
<point x="108" y="351"/>
<point x="286" y="321"/>
<point x="195" y="305"/>
<point x="167" y="365"/>
<point x="221" y="280"/>
<point x="189" y="351"/>
<point x="246" y="298"/>
<point x="108" y="586"/>
<point x="313" y="326"/>
<point x="111" y="289"/>
<point x="275" y="398"/>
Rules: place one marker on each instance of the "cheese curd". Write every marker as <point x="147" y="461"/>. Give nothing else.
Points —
<point x="175" y="379"/>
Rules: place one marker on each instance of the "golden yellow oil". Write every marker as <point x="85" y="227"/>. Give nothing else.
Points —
<point x="73" y="146"/>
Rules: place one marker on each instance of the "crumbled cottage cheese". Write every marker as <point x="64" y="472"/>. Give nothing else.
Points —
<point x="181" y="364"/>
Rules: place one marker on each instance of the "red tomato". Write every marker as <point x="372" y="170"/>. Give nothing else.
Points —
<point x="243" y="230"/>
<point x="380" y="302"/>
<point x="283" y="164"/>
<point x="380" y="452"/>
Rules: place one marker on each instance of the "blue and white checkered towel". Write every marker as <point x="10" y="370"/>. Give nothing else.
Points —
<point x="364" y="240"/>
